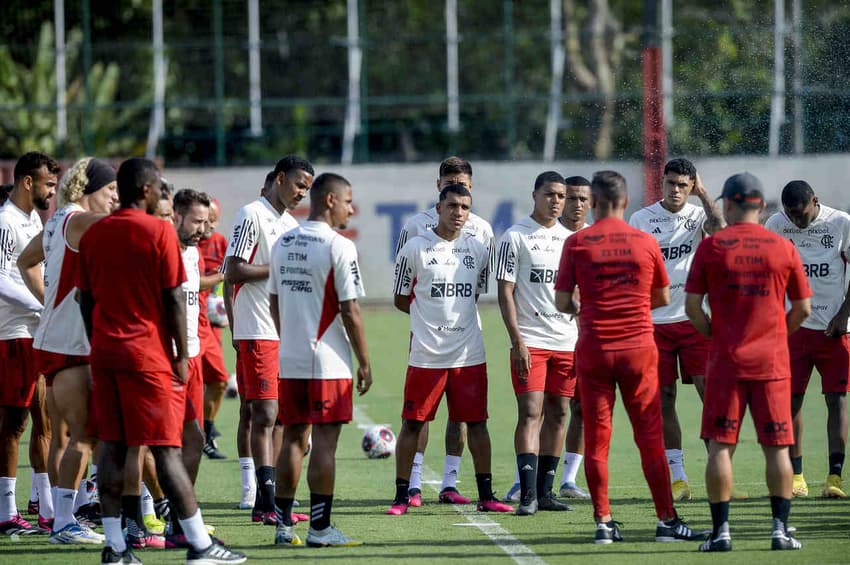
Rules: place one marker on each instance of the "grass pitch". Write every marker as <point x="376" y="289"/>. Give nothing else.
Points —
<point x="440" y="533"/>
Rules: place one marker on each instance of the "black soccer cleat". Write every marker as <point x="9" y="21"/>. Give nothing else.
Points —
<point x="677" y="530"/>
<point x="781" y="539"/>
<point x="109" y="556"/>
<point x="720" y="542"/>
<point x="608" y="532"/>
<point x="215" y="554"/>
<point x="549" y="503"/>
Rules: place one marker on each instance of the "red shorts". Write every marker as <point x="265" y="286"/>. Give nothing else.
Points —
<point x="139" y="408"/>
<point x="18" y="372"/>
<point x="50" y="363"/>
<point x="680" y="348"/>
<point x="465" y="388"/>
<point x="811" y="349"/>
<point x="212" y="358"/>
<point x="314" y="401"/>
<point x="258" y="361"/>
<point x="770" y="406"/>
<point x="195" y="393"/>
<point x="551" y="371"/>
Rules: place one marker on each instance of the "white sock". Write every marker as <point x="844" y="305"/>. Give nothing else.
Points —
<point x="451" y="467"/>
<point x="196" y="531"/>
<point x="82" y="497"/>
<point x="8" y="507"/>
<point x="147" y="502"/>
<point x="676" y="460"/>
<point x="63" y="501"/>
<point x="416" y="471"/>
<point x="572" y="463"/>
<point x="114" y="534"/>
<point x="33" y="491"/>
<point x="249" y="479"/>
<point x="93" y="474"/>
<point x="516" y="479"/>
<point x="45" y="500"/>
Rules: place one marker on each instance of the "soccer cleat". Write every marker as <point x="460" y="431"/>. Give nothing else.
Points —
<point x="249" y="496"/>
<point x="780" y="539"/>
<point x="513" y="494"/>
<point x="527" y="506"/>
<point x="833" y="487"/>
<point x="799" y="487"/>
<point x="329" y="537"/>
<point x="212" y="451"/>
<point x="681" y="490"/>
<point x="89" y="514"/>
<point x="146" y="541"/>
<point x="493" y="505"/>
<point x="397" y="509"/>
<point x="32" y="507"/>
<point x="215" y="554"/>
<point x="677" y="530"/>
<point x="17" y="526"/>
<point x="153" y="524"/>
<point x="416" y="500"/>
<point x="721" y="542"/>
<point x="451" y="495"/>
<point x="572" y="490"/>
<point x="608" y="532"/>
<point x="176" y="541"/>
<point x="549" y="503"/>
<point x="76" y="534"/>
<point x="44" y="525"/>
<point x="296" y="517"/>
<point x="109" y="556"/>
<point x="285" y="535"/>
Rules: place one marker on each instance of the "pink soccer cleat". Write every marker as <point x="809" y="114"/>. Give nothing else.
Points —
<point x="493" y="505"/>
<point x="452" y="496"/>
<point x="397" y="509"/>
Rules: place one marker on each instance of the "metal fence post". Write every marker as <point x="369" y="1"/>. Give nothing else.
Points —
<point x="510" y="118"/>
<point x="88" y="141"/>
<point x="218" y="55"/>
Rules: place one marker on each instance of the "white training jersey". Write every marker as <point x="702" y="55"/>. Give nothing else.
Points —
<point x="17" y="228"/>
<point x="475" y="225"/>
<point x="313" y="268"/>
<point x="445" y="278"/>
<point x="192" y="287"/>
<point x="256" y="227"/>
<point x="61" y="328"/>
<point x="678" y="234"/>
<point x="529" y="255"/>
<point x="824" y="247"/>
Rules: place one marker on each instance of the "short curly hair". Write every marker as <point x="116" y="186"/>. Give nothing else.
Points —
<point x="74" y="182"/>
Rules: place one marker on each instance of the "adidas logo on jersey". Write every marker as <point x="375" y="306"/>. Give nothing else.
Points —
<point x="433" y="261"/>
<point x="656" y="230"/>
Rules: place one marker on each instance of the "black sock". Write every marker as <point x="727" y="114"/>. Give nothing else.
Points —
<point x="526" y="464"/>
<point x="176" y="528"/>
<point x="719" y="516"/>
<point x="131" y="506"/>
<point x="265" y="488"/>
<point x="797" y="465"/>
<point x="162" y="509"/>
<point x="485" y="485"/>
<point x="780" y="507"/>
<point x="402" y="488"/>
<point x="546" y="474"/>
<point x="836" y="463"/>
<point x="208" y="429"/>
<point x="320" y="510"/>
<point x="283" y="509"/>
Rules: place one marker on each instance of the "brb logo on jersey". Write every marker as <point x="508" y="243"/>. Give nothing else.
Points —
<point x="451" y="290"/>
<point x="543" y="276"/>
<point x="675" y="252"/>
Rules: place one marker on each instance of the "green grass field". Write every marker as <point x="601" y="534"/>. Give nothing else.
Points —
<point x="438" y="533"/>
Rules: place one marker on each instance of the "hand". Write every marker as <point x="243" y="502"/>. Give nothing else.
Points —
<point x="699" y="189"/>
<point x="181" y="370"/>
<point x="837" y="325"/>
<point x="364" y="379"/>
<point x="521" y="361"/>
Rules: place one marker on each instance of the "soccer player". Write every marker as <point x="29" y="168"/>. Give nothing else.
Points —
<point x="542" y="341"/>
<point x="453" y="170"/>
<point x="35" y="184"/>
<point x="620" y="272"/>
<point x="747" y="271"/>
<point x="212" y="248"/>
<point x="134" y="312"/>
<point x="314" y="284"/>
<point x="246" y="267"/>
<point x="822" y="237"/>
<point x="678" y="226"/>
<point x="446" y="269"/>
<point x="88" y="192"/>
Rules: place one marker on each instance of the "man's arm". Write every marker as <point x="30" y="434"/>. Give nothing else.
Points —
<point x="273" y="310"/>
<point x="402" y="302"/>
<point x="713" y="217"/>
<point x="174" y="302"/>
<point x="659" y="297"/>
<point x="238" y="270"/>
<point x="838" y="324"/>
<point x="29" y="263"/>
<point x="353" y="322"/>
<point x="209" y="281"/>
<point x="697" y="316"/>
<point x="227" y="296"/>
<point x="520" y="357"/>
<point x="567" y="302"/>
<point x="800" y="310"/>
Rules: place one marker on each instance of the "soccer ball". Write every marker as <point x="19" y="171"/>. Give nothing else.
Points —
<point x="378" y="442"/>
<point x="215" y="311"/>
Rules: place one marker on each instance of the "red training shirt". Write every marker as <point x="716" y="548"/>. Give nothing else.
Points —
<point x="126" y="260"/>
<point x="211" y="251"/>
<point x="615" y="267"/>
<point x="746" y="270"/>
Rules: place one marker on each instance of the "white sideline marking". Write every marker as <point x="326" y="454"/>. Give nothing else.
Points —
<point x="504" y="540"/>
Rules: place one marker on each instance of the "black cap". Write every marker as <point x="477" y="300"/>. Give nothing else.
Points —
<point x="743" y="188"/>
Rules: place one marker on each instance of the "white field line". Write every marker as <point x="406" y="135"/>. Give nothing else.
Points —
<point x="504" y="540"/>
